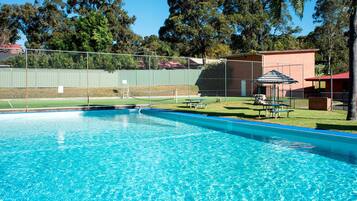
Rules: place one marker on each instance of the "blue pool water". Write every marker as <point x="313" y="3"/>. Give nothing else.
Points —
<point x="122" y="155"/>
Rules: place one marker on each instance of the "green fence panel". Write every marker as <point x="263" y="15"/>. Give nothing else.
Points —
<point x="16" y="77"/>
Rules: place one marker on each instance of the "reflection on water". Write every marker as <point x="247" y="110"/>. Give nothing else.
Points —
<point x="300" y="146"/>
<point x="125" y="117"/>
<point x="60" y="139"/>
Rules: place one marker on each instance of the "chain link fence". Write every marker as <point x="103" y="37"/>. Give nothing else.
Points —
<point x="34" y="78"/>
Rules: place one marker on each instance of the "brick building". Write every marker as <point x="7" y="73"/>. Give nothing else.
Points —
<point x="243" y="69"/>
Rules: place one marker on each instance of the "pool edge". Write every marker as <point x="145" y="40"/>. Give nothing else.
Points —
<point x="79" y="108"/>
<point x="264" y="124"/>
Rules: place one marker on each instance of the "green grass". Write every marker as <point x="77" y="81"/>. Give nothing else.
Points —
<point x="228" y="107"/>
<point x="41" y="103"/>
<point x="243" y="109"/>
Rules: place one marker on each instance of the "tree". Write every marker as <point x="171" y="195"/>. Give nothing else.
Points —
<point x="153" y="45"/>
<point x="332" y="50"/>
<point x="195" y="26"/>
<point x="8" y="25"/>
<point x="92" y="33"/>
<point x="39" y="21"/>
<point x="334" y="18"/>
<point x="255" y="28"/>
<point x="352" y="44"/>
<point x="330" y="36"/>
<point x="53" y="23"/>
<point x="124" y="39"/>
<point x="249" y="22"/>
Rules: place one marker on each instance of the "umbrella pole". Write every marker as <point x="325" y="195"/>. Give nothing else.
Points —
<point x="274" y="93"/>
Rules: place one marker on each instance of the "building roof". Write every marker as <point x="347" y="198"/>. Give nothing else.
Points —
<point x="275" y="77"/>
<point x="340" y="76"/>
<point x="273" y="52"/>
<point x="10" y="46"/>
<point x="170" y="64"/>
<point x="199" y="61"/>
<point x="288" y="51"/>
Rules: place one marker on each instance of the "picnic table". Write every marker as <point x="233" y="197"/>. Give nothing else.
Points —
<point x="276" y="101"/>
<point x="274" y="109"/>
<point x="195" y="103"/>
<point x="289" y="100"/>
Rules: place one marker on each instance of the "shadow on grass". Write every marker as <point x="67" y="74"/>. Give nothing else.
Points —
<point x="219" y="114"/>
<point x="181" y="106"/>
<point x="317" y="118"/>
<point x="104" y="107"/>
<point x="236" y="108"/>
<point x="96" y="105"/>
<point x="336" y="127"/>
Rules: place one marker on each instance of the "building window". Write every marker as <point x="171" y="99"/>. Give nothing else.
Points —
<point x="320" y="84"/>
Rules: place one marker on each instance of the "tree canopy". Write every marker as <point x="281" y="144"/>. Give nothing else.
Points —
<point x="331" y="35"/>
<point x="8" y="25"/>
<point x="72" y="25"/>
<point x="197" y="28"/>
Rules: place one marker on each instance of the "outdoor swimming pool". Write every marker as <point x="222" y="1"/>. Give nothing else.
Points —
<point x="121" y="154"/>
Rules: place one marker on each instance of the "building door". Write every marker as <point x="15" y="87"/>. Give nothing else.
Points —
<point x="243" y="88"/>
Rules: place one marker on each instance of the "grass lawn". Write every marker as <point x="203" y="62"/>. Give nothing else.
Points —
<point x="242" y="109"/>
<point x="70" y="102"/>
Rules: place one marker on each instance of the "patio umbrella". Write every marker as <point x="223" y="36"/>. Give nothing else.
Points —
<point x="275" y="77"/>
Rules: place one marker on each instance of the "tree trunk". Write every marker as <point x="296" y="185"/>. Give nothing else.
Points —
<point x="203" y="55"/>
<point x="352" y="43"/>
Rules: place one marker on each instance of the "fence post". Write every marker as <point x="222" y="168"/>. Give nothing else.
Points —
<point x="252" y="78"/>
<point x="225" y="79"/>
<point x="150" y="79"/>
<point x="188" y="71"/>
<point x="331" y="87"/>
<point x="26" y="80"/>
<point x="87" y="79"/>
<point x="118" y="81"/>
<point x="176" y="95"/>
<point x="291" y="96"/>
<point x="303" y="81"/>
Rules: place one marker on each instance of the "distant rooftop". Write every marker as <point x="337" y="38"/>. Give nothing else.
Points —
<point x="273" y="52"/>
<point x="10" y="46"/>
<point x="199" y="61"/>
<point x="339" y="76"/>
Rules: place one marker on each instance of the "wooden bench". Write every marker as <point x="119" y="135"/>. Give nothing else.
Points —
<point x="277" y="112"/>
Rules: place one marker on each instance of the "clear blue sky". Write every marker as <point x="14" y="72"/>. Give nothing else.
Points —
<point x="151" y="14"/>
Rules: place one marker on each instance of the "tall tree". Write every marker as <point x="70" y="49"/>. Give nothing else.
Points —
<point x="83" y="33"/>
<point x="352" y="43"/>
<point x="53" y="23"/>
<point x="8" y="24"/>
<point x="195" y="26"/>
<point x="330" y="36"/>
<point x="93" y="33"/>
<point x="39" y="21"/>
<point x="153" y="45"/>
<point x="249" y="22"/>
<point x="124" y="39"/>
<point x="256" y="27"/>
